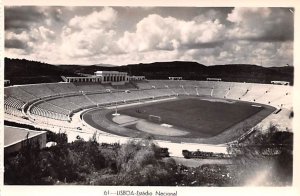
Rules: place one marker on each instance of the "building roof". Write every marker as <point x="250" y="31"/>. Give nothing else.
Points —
<point x="278" y="81"/>
<point x="110" y="72"/>
<point x="13" y="135"/>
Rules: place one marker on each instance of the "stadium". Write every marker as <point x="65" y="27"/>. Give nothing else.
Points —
<point x="148" y="95"/>
<point x="178" y="114"/>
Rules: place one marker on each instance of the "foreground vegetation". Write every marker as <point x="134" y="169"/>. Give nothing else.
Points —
<point x="264" y="159"/>
<point x="80" y="162"/>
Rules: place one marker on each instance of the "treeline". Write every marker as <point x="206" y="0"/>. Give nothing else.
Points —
<point x="197" y="71"/>
<point x="22" y="71"/>
<point x="26" y="72"/>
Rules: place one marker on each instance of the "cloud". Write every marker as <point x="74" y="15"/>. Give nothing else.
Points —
<point x="105" y="35"/>
<point x="23" y="30"/>
<point x="87" y="42"/>
<point x="242" y="52"/>
<point x="28" y="38"/>
<point x="261" y="24"/>
<point x="46" y="33"/>
<point x="157" y="33"/>
<point x="15" y="43"/>
<point x="89" y="35"/>
<point x="96" y="20"/>
<point x="21" y="18"/>
<point x="55" y="13"/>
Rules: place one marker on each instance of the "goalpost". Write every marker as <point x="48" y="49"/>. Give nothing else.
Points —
<point x="153" y="118"/>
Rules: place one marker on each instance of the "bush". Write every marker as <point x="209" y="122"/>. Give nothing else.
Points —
<point x="87" y="162"/>
<point x="268" y="154"/>
<point x="59" y="138"/>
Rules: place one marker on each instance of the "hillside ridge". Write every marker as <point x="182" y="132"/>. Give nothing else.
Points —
<point x="21" y="71"/>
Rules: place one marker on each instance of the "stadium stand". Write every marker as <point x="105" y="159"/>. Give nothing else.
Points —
<point x="221" y="89"/>
<point x="179" y="90"/>
<point x="18" y="93"/>
<point x="143" y="85"/>
<point x="91" y="87"/>
<point x="48" y="113"/>
<point x="103" y="98"/>
<point x="13" y="106"/>
<point x="13" y="102"/>
<point x="63" y="102"/>
<point x="151" y="84"/>
<point x="58" y="101"/>
<point x="283" y="100"/>
<point x="238" y="91"/>
<point x="143" y="94"/>
<point x="255" y="92"/>
<point x="37" y="90"/>
<point x="61" y="88"/>
<point x="53" y="108"/>
<point x="80" y="100"/>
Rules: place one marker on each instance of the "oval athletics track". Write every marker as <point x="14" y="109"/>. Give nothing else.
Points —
<point x="128" y="126"/>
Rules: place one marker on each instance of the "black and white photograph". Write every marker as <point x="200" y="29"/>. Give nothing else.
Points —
<point x="148" y="96"/>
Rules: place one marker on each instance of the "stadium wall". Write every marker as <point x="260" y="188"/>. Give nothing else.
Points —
<point x="21" y="137"/>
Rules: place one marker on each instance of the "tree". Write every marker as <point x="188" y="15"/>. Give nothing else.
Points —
<point x="266" y="155"/>
<point x="139" y="163"/>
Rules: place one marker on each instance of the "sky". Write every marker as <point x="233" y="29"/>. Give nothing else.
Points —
<point x="126" y="35"/>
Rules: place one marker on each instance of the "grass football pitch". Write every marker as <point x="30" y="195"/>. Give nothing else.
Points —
<point x="201" y="118"/>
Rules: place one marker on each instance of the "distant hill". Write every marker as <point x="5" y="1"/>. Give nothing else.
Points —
<point x="94" y="65"/>
<point x="24" y="71"/>
<point x="196" y="71"/>
<point x="21" y="71"/>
